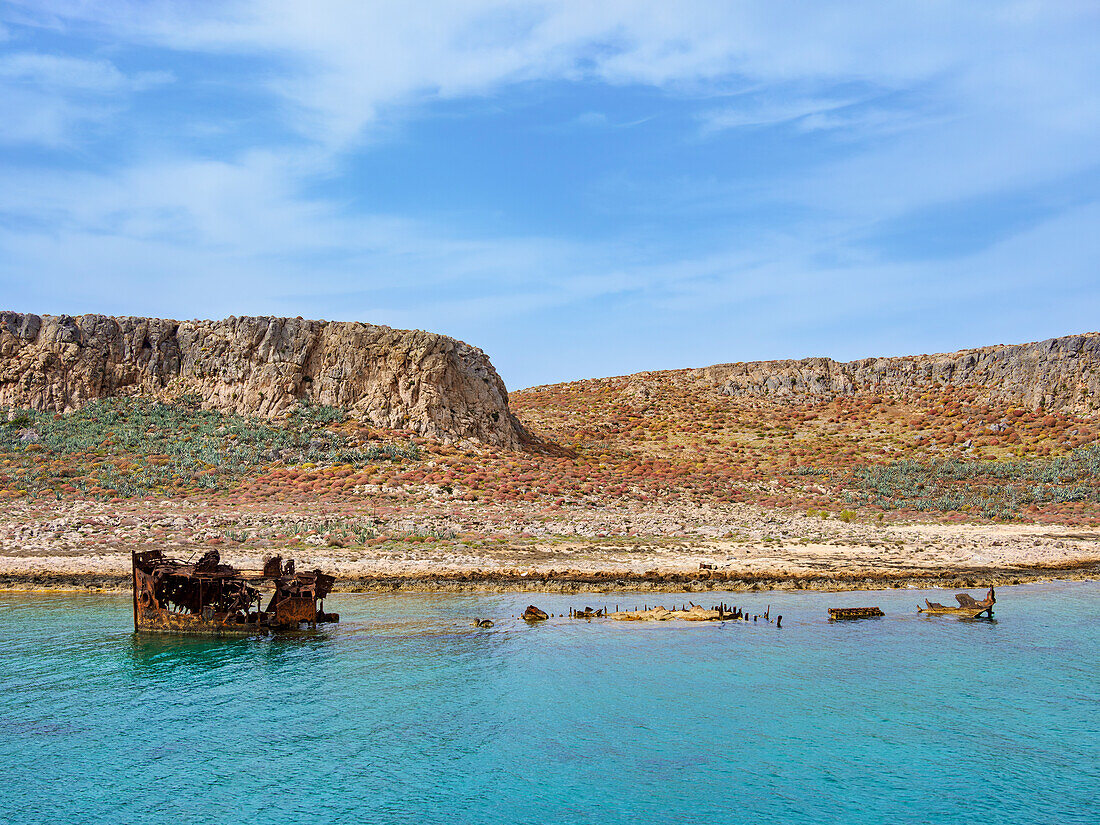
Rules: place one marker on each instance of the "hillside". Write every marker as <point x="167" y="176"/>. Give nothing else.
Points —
<point x="429" y="384"/>
<point x="422" y="420"/>
<point x="1060" y="374"/>
<point x="648" y="473"/>
<point x="991" y="432"/>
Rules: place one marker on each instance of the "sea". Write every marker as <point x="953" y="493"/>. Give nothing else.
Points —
<point x="406" y="713"/>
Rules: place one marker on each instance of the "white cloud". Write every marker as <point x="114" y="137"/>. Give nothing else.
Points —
<point x="344" y="60"/>
<point x="46" y="98"/>
<point x="935" y="102"/>
<point x="71" y="74"/>
<point x="751" y="111"/>
<point x="989" y="94"/>
<point x="239" y="237"/>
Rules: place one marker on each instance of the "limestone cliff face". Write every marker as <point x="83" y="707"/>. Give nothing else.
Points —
<point x="1061" y="373"/>
<point x="430" y="384"/>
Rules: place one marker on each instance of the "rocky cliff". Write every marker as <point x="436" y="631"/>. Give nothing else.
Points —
<point x="430" y="384"/>
<point x="1061" y="373"/>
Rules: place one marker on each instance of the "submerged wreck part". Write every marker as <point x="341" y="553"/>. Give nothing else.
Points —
<point x="968" y="606"/>
<point x="533" y="614"/>
<point x="587" y="613"/>
<point x="211" y="598"/>
<point x="854" y="612"/>
<point x="694" y="613"/>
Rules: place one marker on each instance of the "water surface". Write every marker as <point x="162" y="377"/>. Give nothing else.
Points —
<point x="406" y="714"/>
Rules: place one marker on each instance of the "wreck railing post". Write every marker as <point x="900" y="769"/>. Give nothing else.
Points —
<point x="133" y="576"/>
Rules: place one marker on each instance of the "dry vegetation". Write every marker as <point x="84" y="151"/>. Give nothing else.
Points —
<point x="939" y="454"/>
<point x="649" y="441"/>
<point x="646" y="477"/>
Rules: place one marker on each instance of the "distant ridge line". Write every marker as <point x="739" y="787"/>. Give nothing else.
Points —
<point x="1056" y="374"/>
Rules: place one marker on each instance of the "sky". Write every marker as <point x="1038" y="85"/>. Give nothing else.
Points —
<point x="580" y="189"/>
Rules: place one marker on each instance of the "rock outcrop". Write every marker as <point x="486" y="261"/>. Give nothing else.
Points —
<point x="1061" y="373"/>
<point x="430" y="384"/>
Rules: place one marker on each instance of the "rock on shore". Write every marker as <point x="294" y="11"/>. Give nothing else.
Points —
<point x="430" y="384"/>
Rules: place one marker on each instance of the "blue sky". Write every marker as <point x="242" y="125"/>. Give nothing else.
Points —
<point x="581" y="189"/>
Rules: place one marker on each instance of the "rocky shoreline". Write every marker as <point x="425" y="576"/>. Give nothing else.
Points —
<point x="615" y="581"/>
<point x="86" y="546"/>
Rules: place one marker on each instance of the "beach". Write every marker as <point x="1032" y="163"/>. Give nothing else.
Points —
<point x="87" y="545"/>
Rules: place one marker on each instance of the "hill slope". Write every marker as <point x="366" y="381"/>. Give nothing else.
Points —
<point x="658" y="472"/>
<point x="1057" y="374"/>
<point x="429" y="384"/>
<point x="636" y="444"/>
<point x="990" y="432"/>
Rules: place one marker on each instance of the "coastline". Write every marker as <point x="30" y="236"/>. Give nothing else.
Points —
<point x="86" y="546"/>
<point x="613" y="581"/>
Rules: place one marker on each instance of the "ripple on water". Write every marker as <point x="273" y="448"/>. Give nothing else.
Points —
<point x="406" y="713"/>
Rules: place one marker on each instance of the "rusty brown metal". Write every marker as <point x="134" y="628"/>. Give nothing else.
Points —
<point x="533" y="614"/>
<point x="968" y="606"/>
<point x="855" y="612"/>
<point x="211" y="598"/>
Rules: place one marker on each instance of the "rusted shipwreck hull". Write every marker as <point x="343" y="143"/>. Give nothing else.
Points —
<point x="214" y="599"/>
<point x="968" y="606"/>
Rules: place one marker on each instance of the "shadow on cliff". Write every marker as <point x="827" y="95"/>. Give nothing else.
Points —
<point x="531" y="443"/>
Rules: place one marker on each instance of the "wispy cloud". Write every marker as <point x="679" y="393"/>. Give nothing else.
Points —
<point x="764" y="112"/>
<point x="223" y="237"/>
<point x="791" y="133"/>
<point x="341" y="61"/>
<point x="45" y="98"/>
<point x="49" y="72"/>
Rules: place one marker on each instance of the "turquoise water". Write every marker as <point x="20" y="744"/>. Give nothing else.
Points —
<point x="405" y="713"/>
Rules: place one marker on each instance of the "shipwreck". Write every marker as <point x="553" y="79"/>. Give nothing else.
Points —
<point x="210" y="598"/>
<point x="968" y="606"/>
<point x="836" y="613"/>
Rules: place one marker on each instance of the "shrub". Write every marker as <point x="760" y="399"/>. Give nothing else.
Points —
<point x="133" y="446"/>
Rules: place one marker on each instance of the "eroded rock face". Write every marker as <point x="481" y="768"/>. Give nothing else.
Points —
<point x="1061" y="373"/>
<point x="431" y="384"/>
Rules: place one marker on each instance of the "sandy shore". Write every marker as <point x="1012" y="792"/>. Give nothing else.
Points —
<point x="87" y="545"/>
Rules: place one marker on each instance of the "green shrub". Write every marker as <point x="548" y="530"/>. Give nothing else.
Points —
<point x="136" y="446"/>
<point x="995" y="489"/>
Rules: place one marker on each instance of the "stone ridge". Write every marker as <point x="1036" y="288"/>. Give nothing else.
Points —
<point x="430" y="384"/>
<point x="1059" y="373"/>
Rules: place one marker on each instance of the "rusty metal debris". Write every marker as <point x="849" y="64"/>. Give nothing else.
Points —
<point x="855" y="612"/>
<point x="968" y="606"/>
<point x="211" y="598"/>
<point x="692" y="613"/>
<point x="587" y="613"/>
<point x="533" y="614"/>
<point x="689" y="612"/>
